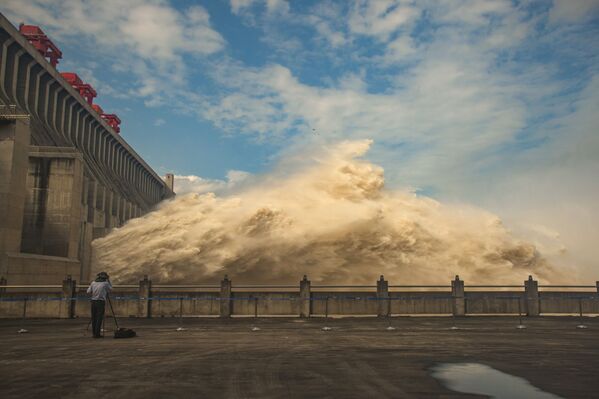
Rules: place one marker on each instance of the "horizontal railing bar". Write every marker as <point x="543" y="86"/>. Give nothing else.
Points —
<point x="494" y="286"/>
<point x="567" y="286"/>
<point x="185" y="286"/>
<point x="30" y="286"/>
<point x="419" y="286"/>
<point x="343" y="286"/>
<point x="264" y="286"/>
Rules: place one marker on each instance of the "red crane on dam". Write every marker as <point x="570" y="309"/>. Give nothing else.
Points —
<point x="85" y="89"/>
<point x="36" y="36"/>
<point x="112" y="120"/>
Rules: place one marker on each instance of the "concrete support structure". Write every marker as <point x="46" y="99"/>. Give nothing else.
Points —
<point x="305" y="297"/>
<point x="226" y="303"/>
<point x="64" y="174"/>
<point x="170" y="181"/>
<point x="69" y="294"/>
<point x="144" y="306"/>
<point x="382" y="296"/>
<point x="458" y="298"/>
<point x="531" y="292"/>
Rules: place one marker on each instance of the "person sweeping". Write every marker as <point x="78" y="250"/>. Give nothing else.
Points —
<point x="99" y="290"/>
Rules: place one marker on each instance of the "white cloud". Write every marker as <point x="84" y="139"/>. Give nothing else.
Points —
<point x="573" y="10"/>
<point x="185" y="184"/>
<point x="159" y="122"/>
<point x="146" y="37"/>
<point x="237" y="6"/>
<point x="380" y="18"/>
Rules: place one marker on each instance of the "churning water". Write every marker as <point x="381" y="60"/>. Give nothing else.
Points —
<point x="330" y="218"/>
<point x="484" y="380"/>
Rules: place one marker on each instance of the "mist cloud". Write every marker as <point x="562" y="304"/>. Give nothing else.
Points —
<point x="331" y="219"/>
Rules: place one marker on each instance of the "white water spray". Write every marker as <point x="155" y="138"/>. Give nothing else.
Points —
<point x="332" y="220"/>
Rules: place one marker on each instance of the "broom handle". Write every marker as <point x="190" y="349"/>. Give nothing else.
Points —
<point x="112" y="310"/>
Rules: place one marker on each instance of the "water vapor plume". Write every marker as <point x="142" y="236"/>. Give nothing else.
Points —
<point x="331" y="219"/>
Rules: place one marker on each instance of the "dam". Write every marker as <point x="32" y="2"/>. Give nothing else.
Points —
<point x="67" y="176"/>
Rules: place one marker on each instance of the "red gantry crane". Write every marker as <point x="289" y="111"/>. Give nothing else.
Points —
<point x="85" y="89"/>
<point x="112" y="120"/>
<point x="36" y="36"/>
<point x="41" y="42"/>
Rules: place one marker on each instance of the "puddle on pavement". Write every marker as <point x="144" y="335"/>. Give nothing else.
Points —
<point x="481" y="379"/>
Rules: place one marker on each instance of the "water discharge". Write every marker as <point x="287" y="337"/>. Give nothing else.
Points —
<point x="330" y="218"/>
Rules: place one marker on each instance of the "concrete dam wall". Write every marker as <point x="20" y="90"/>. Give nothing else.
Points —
<point x="66" y="176"/>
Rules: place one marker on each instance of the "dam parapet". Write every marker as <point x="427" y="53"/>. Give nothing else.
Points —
<point x="225" y="299"/>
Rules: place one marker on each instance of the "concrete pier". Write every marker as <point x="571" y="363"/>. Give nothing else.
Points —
<point x="458" y="298"/>
<point x="226" y="302"/>
<point x="531" y="288"/>
<point x="305" y="296"/>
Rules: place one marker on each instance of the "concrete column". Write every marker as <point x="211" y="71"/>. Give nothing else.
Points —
<point x="531" y="289"/>
<point x="458" y="297"/>
<point x="69" y="293"/>
<point x="305" y="296"/>
<point x="226" y="304"/>
<point x="170" y="181"/>
<point x="76" y="210"/>
<point x="14" y="166"/>
<point x="382" y="295"/>
<point x="144" y="305"/>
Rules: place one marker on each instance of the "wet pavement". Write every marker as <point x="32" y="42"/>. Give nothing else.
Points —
<point x="292" y="358"/>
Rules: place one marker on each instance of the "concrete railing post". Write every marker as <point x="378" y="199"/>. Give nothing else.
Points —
<point x="3" y="282"/>
<point x="382" y="296"/>
<point x="69" y="295"/>
<point x="144" y="304"/>
<point x="531" y="292"/>
<point x="226" y="308"/>
<point x="458" y="297"/>
<point x="305" y="296"/>
<point x="596" y="283"/>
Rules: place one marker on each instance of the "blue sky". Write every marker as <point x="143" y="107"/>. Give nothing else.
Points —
<point x="488" y="102"/>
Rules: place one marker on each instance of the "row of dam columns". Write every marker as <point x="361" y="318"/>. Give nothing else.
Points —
<point x="226" y="297"/>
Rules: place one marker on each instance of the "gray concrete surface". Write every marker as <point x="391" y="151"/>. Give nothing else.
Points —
<point x="291" y="358"/>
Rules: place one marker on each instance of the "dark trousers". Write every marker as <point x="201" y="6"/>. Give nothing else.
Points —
<point x="97" y="316"/>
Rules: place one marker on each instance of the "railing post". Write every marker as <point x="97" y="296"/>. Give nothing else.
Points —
<point x="144" y="303"/>
<point x="382" y="296"/>
<point x="596" y="283"/>
<point x="69" y="295"/>
<point x="304" y="294"/>
<point x="458" y="297"/>
<point x="226" y="308"/>
<point x="531" y="290"/>
<point x="3" y="283"/>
